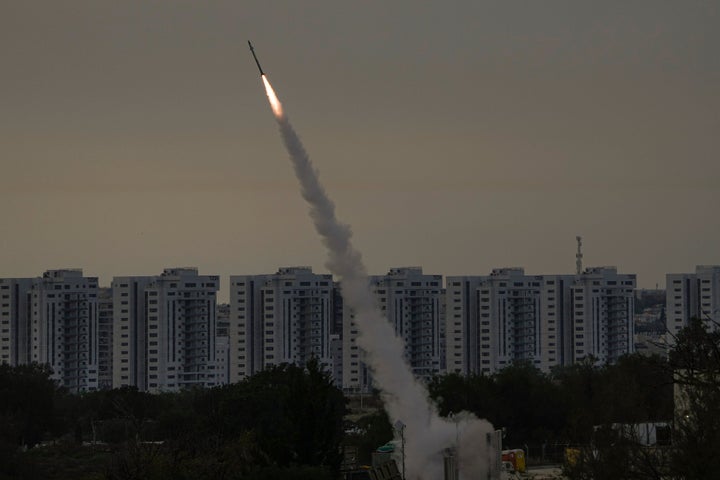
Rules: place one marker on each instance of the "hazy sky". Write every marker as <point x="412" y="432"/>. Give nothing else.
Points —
<point x="459" y="136"/>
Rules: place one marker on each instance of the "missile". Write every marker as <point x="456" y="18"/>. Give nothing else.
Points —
<point x="252" y="50"/>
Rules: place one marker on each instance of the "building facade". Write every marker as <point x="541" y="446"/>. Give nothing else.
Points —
<point x="413" y="303"/>
<point x="547" y="320"/>
<point x="163" y="332"/>
<point x="603" y="311"/>
<point x="105" y="338"/>
<point x="15" y="311"/>
<point x="52" y="320"/>
<point x="507" y="316"/>
<point x="692" y="295"/>
<point x="164" y="335"/>
<point x="286" y="317"/>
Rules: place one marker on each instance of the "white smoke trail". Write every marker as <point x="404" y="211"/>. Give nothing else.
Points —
<point x="426" y="433"/>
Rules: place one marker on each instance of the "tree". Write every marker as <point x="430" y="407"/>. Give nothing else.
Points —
<point x="638" y="388"/>
<point x="285" y="416"/>
<point x="580" y="388"/>
<point x="695" y="360"/>
<point x="374" y="430"/>
<point x="27" y="396"/>
<point x="519" y="398"/>
<point x="640" y="392"/>
<point x="26" y="403"/>
<point x="455" y="393"/>
<point x="295" y="413"/>
<point x="532" y="410"/>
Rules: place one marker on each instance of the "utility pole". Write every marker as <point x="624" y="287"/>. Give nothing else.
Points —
<point x="400" y="427"/>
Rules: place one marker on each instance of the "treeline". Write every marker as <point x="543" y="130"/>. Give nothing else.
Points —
<point x="592" y="408"/>
<point x="285" y="422"/>
<point x="535" y="408"/>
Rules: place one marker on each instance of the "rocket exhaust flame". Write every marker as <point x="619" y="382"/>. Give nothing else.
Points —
<point x="426" y="433"/>
<point x="274" y="102"/>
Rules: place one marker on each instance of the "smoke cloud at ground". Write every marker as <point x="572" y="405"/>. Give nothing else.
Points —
<point x="406" y="400"/>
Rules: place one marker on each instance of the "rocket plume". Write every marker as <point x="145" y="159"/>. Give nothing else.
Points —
<point x="426" y="434"/>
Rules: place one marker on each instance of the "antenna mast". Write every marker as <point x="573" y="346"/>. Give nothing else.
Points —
<point x="578" y="255"/>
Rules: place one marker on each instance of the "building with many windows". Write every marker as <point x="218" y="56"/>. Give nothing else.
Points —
<point x="286" y="317"/>
<point x="603" y="310"/>
<point x="105" y="338"/>
<point x="414" y="304"/>
<point x="547" y="320"/>
<point x="15" y="310"/>
<point x="164" y="335"/>
<point x="494" y="320"/>
<point x="52" y="320"/>
<point x="693" y="295"/>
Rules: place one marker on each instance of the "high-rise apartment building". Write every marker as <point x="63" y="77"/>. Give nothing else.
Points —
<point x="15" y="310"/>
<point x="494" y="320"/>
<point x="693" y="295"/>
<point x="105" y="338"/>
<point x="222" y="343"/>
<point x="286" y="317"/>
<point x="52" y="320"/>
<point x="164" y="333"/>
<point x="603" y="309"/>
<point x="164" y="336"/>
<point x="548" y="320"/>
<point x="130" y="331"/>
<point x="413" y="303"/>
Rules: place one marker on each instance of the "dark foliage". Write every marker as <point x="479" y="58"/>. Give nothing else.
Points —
<point x="372" y="431"/>
<point x="695" y="361"/>
<point x="285" y="422"/>
<point x="26" y="404"/>
<point x="694" y="369"/>
<point x="536" y="408"/>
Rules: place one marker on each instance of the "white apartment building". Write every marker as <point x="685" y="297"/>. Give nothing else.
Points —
<point x="603" y="310"/>
<point x="164" y="335"/>
<point x="548" y="320"/>
<point x="693" y="295"/>
<point x="15" y="308"/>
<point x="105" y="338"/>
<point x="494" y="320"/>
<point x="129" y="331"/>
<point x="52" y="320"/>
<point x="286" y="317"/>
<point x="413" y="303"/>
<point x="222" y="359"/>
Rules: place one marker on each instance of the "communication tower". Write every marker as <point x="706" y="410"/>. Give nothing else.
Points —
<point x="578" y="255"/>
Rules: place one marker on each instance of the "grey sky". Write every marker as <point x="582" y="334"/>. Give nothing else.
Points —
<point x="459" y="136"/>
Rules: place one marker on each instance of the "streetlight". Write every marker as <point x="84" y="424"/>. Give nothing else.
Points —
<point x="456" y="420"/>
<point x="400" y="427"/>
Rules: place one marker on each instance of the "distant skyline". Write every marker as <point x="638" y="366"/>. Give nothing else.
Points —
<point x="459" y="137"/>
